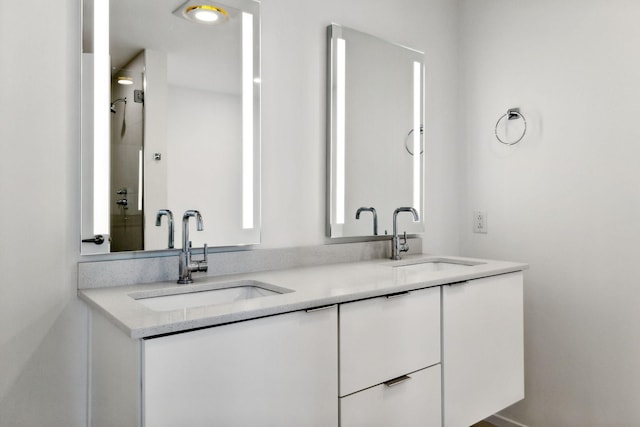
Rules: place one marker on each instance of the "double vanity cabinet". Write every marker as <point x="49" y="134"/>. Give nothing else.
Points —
<point x="428" y="349"/>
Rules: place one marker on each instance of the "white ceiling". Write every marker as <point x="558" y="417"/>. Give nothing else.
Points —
<point x="206" y="57"/>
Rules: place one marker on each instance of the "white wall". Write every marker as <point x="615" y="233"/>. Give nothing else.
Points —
<point x="42" y="325"/>
<point x="43" y="331"/>
<point x="566" y="199"/>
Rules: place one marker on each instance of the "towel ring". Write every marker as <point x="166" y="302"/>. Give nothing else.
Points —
<point x="407" y="138"/>
<point x="512" y="114"/>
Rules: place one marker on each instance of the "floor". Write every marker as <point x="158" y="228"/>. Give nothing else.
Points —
<point x="483" y="424"/>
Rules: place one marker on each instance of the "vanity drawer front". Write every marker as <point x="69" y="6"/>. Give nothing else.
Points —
<point x="386" y="337"/>
<point x="274" y="371"/>
<point x="413" y="402"/>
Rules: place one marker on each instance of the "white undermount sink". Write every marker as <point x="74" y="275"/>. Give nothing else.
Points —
<point x="190" y="296"/>
<point x="431" y="265"/>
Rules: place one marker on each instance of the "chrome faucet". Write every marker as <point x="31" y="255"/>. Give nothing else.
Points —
<point x="187" y="266"/>
<point x="169" y="214"/>
<point x="375" y="217"/>
<point x="396" y="246"/>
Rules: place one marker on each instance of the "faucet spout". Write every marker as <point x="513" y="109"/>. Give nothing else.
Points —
<point x="187" y="266"/>
<point x="396" y="246"/>
<point x="185" y="226"/>
<point x="375" y="217"/>
<point x="169" y="215"/>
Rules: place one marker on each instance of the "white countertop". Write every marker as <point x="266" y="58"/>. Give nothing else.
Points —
<point x="312" y="287"/>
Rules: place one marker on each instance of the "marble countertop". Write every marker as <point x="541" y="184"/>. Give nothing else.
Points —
<point x="311" y="287"/>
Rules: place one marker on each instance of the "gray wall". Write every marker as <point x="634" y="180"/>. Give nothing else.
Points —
<point x="43" y="327"/>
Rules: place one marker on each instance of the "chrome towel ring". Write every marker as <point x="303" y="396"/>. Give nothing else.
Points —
<point x="408" y="137"/>
<point x="511" y="114"/>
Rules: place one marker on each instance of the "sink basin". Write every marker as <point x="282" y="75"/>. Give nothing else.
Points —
<point x="431" y="265"/>
<point x="204" y="295"/>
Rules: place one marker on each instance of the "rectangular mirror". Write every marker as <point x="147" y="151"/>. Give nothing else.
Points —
<point x="375" y="134"/>
<point x="170" y="121"/>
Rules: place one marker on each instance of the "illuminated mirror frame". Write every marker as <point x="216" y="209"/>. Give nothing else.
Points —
<point x="336" y="132"/>
<point x="95" y="128"/>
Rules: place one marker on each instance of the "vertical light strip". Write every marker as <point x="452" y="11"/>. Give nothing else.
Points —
<point x="247" y="120"/>
<point x="101" y="128"/>
<point x="417" y="119"/>
<point x="340" y="128"/>
<point x="140" y="175"/>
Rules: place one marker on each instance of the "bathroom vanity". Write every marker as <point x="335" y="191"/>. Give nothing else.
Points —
<point x="424" y="341"/>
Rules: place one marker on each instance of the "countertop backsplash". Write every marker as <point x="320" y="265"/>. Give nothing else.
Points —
<point x="100" y="274"/>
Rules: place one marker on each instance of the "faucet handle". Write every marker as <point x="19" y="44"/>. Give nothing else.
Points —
<point x="202" y="265"/>
<point x="404" y="246"/>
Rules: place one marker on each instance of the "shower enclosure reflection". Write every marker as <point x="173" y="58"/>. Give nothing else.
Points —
<point x="127" y="152"/>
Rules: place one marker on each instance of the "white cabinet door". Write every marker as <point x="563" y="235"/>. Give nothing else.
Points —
<point x="414" y="402"/>
<point x="275" y="371"/>
<point x="386" y="337"/>
<point x="483" y="356"/>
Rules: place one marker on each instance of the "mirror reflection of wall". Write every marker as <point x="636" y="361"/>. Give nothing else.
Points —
<point x="185" y="134"/>
<point x="376" y="98"/>
<point x="213" y="150"/>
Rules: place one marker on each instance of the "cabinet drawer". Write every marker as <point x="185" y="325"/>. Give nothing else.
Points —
<point x="414" y="402"/>
<point x="386" y="337"/>
<point x="275" y="371"/>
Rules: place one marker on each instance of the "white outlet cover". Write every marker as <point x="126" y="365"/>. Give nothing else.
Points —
<point x="480" y="222"/>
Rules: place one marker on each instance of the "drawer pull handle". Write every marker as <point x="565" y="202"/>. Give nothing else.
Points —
<point x="324" y="307"/>
<point x="456" y="283"/>
<point x="397" y="295"/>
<point x="397" y="381"/>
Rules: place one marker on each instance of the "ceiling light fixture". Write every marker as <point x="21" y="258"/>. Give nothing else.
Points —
<point x="202" y="13"/>
<point x="123" y="80"/>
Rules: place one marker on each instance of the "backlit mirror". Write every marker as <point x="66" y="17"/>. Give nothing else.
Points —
<point x="375" y="134"/>
<point x="170" y="121"/>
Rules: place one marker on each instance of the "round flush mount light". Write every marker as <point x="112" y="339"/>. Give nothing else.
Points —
<point x="123" y="80"/>
<point x="205" y="14"/>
